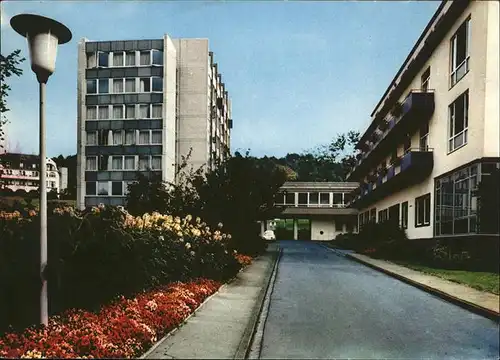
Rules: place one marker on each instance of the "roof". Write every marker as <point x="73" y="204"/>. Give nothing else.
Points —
<point x="315" y="186"/>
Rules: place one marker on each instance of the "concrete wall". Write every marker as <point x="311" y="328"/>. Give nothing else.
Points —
<point x="169" y="109"/>
<point x="80" y="126"/>
<point x="483" y="124"/>
<point x="192" y="110"/>
<point x="327" y="226"/>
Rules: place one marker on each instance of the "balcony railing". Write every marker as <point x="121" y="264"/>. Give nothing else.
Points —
<point x="409" y="169"/>
<point x="333" y="206"/>
<point x="418" y="105"/>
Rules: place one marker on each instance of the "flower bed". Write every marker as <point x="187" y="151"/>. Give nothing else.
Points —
<point x="123" y="329"/>
<point x="96" y="255"/>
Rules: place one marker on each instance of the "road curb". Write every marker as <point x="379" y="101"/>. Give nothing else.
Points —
<point x="248" y="334"/>
<point x="475" y="308"/>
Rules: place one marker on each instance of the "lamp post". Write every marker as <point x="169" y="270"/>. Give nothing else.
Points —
<point x="43" y="35"/>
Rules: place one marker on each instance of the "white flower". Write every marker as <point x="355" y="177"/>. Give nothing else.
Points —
<point x="192" y="253"/>
<point x="188" y="246"/>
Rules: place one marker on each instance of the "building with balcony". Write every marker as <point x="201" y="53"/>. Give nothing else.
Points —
<point x="21" y="173"/>
<point x="144" y="105"/>
<point x="323" y="205"/>
<point x="434" y="135"/>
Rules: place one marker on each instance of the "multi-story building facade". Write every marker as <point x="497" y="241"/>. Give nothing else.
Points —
<point x="144" y="105"/>
<point x="22" y="172"/>
<point x="434" y="135"/>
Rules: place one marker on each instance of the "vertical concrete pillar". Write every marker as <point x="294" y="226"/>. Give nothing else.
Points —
<point x="295" y="229"/>
<point x="262" y="227"/>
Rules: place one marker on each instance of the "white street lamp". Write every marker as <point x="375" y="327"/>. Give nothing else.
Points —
<point x="43" y="36"/>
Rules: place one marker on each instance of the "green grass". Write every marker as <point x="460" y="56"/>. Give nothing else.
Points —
<point x="288" y="224"/>
<point x="484" y="281"/>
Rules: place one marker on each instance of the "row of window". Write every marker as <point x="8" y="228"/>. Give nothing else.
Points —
<point x="107" y="188"/>
<point x="124" y="58"/>
<point x="125" y="85"/>
<point x="422" y="213"/>
<point x="123" y="162"/>
<point x="27" y="173"/>
<point x="313" y="198"/>
<point x="124" y="137"/>
<point x="117" y="112"/>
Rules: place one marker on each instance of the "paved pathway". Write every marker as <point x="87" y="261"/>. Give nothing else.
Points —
<point x="326" y="306"/>
<point x="221" y="328"/>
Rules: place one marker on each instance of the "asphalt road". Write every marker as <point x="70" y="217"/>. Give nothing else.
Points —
<point x="326" y="306"/>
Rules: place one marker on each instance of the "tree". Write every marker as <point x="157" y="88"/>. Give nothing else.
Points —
<point x="342" y="151"/>
<point x="8" y="67"/>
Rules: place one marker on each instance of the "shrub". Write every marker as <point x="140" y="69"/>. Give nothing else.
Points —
<point x="101" y="253"/>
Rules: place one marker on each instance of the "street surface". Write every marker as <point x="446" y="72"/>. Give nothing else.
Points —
<point x="326" y="306"/>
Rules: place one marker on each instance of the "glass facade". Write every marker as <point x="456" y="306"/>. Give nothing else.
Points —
<point x="456" y="201"/>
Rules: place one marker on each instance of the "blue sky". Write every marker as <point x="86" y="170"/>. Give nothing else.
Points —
<point x="297" y="72"/>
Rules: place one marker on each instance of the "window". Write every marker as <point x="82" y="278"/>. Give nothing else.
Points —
<point x="145" y="84"/>
<point x="424" y="137"/>
<point x="130" y="85"/>
<point x="91" y="113"/>
<point x="458" y="121"/>
<point x="156" y="163"/>
<point x="460" y="43"/>
<point x="103" y="112"/>
<point x="157" y="108"/>
<point x="92" y="86"/>
<point x="423" y="210"/>
<point x="129" y="137"/>
<point x="103" y="162"/>
<point x="302" y="198"/>
<point x="157" y="57"/>
<point x="130" y="58"/>
<point x="456" y="210"/>
<point x="337" y="198"/>
<point x="103" y="59"/>
<point x="373" y="215"/>
<point x="324" y="198"/>
<point x="156" y="137"/>
<point x="425" y="79"/>
<point x="102" y="188"/>
<point x="91" y="60"/>
<point x="117" y="111"/>
<point x="103" y="137"/>
<point x="145" y="57"/>
<point x="116" y="188"/>
<point x="117" y="86"/>
<point x="314" y="198"/>
<point x="91" y="138"/>
<point x="117" y="163"/>
<point x="117" y="137"/>
<point x="143" y="162"/>
<point x="103" y="86"/>
<point x="91" y="163"/>
<point x="290" y="198"/>
<point x="90" y="188"/>
<point x="118" y="59"/>
<point x="129" y="163"/>
<point x="130" y="111"/>
<point x="144" y="111"/>
<point x="157" y="84"/>
<point x="394" y="213"/>
<point x="404" y="215"/>
<point x="383" y="215"/>
<point x="144" y="137"/>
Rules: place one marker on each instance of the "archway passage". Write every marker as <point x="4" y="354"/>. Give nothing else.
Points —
<point x="284" y="229"/>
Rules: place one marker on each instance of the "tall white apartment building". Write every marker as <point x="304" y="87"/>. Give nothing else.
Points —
<point x="434" y="135"/>
<point x="142" y="106"/>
